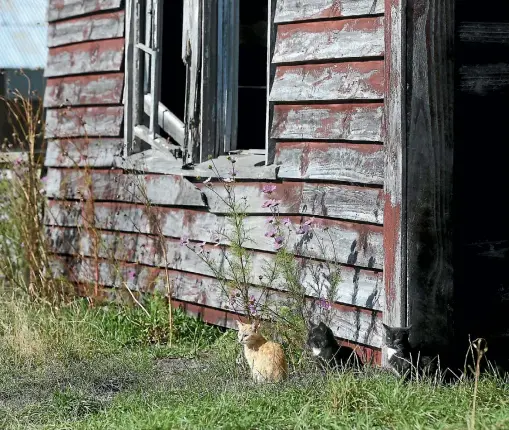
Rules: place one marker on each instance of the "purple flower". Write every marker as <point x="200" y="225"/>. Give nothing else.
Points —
<point x="184" y="240"/>
<point x="324" y="304"/>
<point x="268" y="188"/>
<point x="270" y="233"/>
<point x="44" y="179"/>
<point x="270" y="220"/>
<point x="252" y="299"/>
<point x="304" y="228"/>
<point x="270" y="203"/>
<point x="287" y="222"/>
<point x="278" y="242"/>
<point x="131" y="275"/>
<point x="18" y="161"/>
<point x="252" y="309"/>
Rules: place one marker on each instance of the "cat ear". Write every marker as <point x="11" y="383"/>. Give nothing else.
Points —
<point x="408" y="327"/>
<point x="239" y="323"/>
<point x="255" y="325"/>
<point x="322" y="325"/>
<point x="311" y="324"/>
<point x="386" y="327"/>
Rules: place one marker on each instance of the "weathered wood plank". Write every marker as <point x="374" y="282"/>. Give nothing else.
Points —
<point x="90" y="121"/>
<point x="339" y="121"/>
<point x="84" y="90"/>
<point x="483" y="79"/>
<point x="429" y="180"/>
<point x="484" y="32"/>
<point x="88" y="57"/>
<point x="60" y="9"/>
<point x="328" y="200"/>
<point x="347" y="322"/>
<point x="83" y="153"/>
<point x="357" y="287"/>
<point x="247" y="166"/>
<point x="345" y="242"/>
<point x="394" y="218"/>
<point x="360" y="163"/>
<point x="312" y="41"/>
<point x="339" y="81"/>
<point x="296" y="10"/>
<point x="113" y="185"/>
<point x="95" y="27"/>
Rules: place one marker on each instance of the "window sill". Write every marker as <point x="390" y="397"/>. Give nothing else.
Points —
<point x="248" y="165"/>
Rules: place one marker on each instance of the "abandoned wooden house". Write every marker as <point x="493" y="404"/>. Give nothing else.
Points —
<point x="380" y="120"/>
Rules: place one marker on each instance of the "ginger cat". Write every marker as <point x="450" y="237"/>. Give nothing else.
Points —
<point x="266" y="360"/>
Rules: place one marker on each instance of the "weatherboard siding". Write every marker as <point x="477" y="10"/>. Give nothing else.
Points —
<point x="327" y="105"/>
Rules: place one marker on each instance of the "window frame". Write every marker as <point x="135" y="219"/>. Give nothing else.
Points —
<point x="210" y="50"/>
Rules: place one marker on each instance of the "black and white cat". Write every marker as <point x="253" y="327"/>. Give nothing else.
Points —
<point x="325" y="348"/>
<point x="405" y="360"/>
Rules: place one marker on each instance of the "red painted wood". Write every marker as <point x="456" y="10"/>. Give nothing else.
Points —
<point x="332" y="81"/>
<point x="356" y="244"/>
<point x="94" y="27"/>
<point x="90" y="121"/>
<point x="90" y="152"/>
<point x="362" y="163"/>
<point x="334" y="39"/>
<point x="296" y="10"/>
<point x="328" y="121"/>
<point x="84" y="90"/>
<point x="59" y="9"/>
<point x="88" y="57"/>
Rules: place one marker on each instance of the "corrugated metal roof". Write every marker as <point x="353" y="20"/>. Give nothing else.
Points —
<point x="23" y="34"/>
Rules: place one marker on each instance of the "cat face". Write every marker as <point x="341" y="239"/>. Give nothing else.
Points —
<point x="396" y="336"/>
<point x="248" y="333"/>
<point x="319" y="336"/>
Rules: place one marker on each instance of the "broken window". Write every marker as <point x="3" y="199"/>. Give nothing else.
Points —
<point x="196" y="78"/>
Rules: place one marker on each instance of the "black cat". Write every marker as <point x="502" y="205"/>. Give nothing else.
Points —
<point x="329" y="354"/>
<point x="404" y="360"/>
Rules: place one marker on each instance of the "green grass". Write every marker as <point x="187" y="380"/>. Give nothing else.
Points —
<point x="102" y="368"/>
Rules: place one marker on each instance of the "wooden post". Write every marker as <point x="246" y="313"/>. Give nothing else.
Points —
<point x="429" y="177"/>
<point x="395" y="145"/>
<point x="419" y="168"/>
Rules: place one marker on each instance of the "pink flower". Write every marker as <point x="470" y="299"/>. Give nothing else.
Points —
<point x="268" y="188"/>
<point x="287" y="222"/>
<point x="131" y="275"/>
<point x="18" y="161"/>
<point x="184" y="241"/>
<point x="270" y="220"/>
<point x="44" y="179"/>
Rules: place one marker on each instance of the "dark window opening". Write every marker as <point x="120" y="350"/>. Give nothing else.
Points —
<point x="173" y="70"/>
<point x="252" y="95"/>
